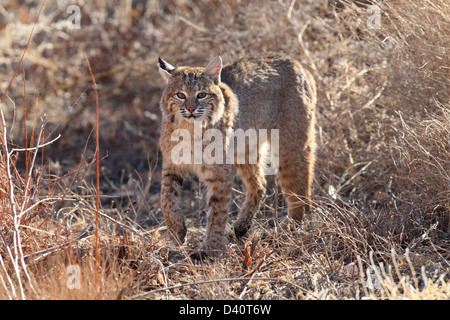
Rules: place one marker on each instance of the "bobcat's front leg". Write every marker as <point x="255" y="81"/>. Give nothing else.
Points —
<point x="218" y="179"/>
<point x="170" y="190"/>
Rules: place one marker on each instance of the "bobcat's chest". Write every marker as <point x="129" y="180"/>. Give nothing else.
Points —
<point x="195" y="147"/>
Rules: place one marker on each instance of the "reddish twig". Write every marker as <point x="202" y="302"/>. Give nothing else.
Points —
<point x="97" y="204"/>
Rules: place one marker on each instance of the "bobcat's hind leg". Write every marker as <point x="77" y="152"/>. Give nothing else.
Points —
<point x="295" y="174"/>
<point x="255" y="183"/>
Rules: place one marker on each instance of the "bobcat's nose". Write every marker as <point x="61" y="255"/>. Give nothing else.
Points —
<point x="191" y="110"/>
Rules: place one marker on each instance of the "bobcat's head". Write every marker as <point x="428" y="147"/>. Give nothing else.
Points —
<point x="192" y="93"/>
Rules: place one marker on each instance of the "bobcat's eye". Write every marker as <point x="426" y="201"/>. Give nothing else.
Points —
<point x="181" y="95"/>
<point x="201" y="95"/>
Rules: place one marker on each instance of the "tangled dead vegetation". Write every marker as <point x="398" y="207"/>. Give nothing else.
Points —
<point x="380" y="227"/>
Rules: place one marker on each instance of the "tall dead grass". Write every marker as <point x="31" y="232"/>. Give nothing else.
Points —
<point x="380" y="228"/>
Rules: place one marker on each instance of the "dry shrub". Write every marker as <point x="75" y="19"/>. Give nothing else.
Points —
<point x="387" y="132"/>
<point x="423" y="150"/>
<point x="386" y="94"/>
<point x="382" y="178"/>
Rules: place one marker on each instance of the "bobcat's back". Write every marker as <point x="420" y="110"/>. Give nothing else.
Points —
<point x="272" y="88"/>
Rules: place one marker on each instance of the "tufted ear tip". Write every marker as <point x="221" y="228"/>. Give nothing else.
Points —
<point x="161" y="62"/>
<point x="165" y="65"/>
<point x="165" y="69"/>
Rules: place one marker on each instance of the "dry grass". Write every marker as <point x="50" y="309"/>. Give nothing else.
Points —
<point x="380" y="228"/>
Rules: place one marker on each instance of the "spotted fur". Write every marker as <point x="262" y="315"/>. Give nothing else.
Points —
<point x="266" y="91"/>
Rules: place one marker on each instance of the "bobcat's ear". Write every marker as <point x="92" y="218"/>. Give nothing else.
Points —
<point x="214" y="68"/>
<point x="165" y="69"/>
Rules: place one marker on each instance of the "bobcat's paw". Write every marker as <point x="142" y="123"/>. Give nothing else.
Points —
<point x="178" y="234"/>
<point x="199" y="256"/>
<point x="207" y="251"/>
<point x="240" y="229"/>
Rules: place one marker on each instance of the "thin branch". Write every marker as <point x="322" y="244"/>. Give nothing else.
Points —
<point x="97" y="203"/>
<point x="34" y="148"/>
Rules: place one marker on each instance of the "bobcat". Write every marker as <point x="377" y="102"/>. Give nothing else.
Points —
<point x="265" y="91"/>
